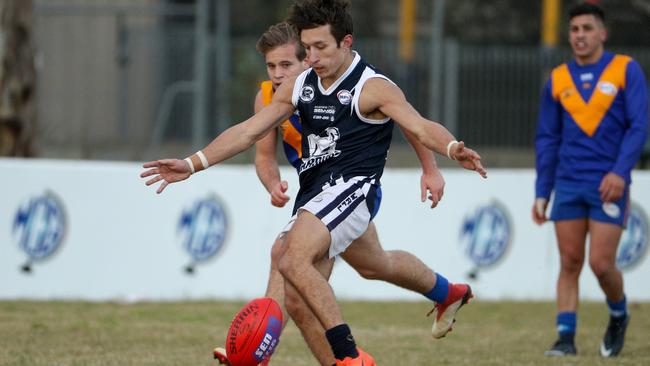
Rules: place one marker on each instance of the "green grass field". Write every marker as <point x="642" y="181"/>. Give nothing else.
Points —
<point x="395" y="333"/>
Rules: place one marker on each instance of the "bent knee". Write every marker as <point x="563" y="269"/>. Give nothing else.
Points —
<point x="602" y="268"/>
<point x="369" y="273"/>
<point x="287" y="265"/>
<point x="277" y="250"/>
<point x="572" y="264"/>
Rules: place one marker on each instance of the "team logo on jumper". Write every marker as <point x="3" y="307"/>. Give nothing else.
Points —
<point x="566" y="93"/>
<point x="307" y="93"/>
<point x="634" y="242"/>
<point x="586" y="77"/>
<point x="485" y="235"/>
<point x="39" y="226"/>
<point x="204" y="228"/>
<point x="345" y="97"/>
<point x="321" y="148"/>
<point x="607" y="88"/>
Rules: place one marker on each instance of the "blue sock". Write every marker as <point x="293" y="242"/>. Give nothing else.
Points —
<point x="566" y="324"/>
<point x="439" y="292"/>
<point x="617" y="309"/>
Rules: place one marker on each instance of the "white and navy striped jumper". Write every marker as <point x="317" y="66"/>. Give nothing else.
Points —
<point x="338" y="143"/>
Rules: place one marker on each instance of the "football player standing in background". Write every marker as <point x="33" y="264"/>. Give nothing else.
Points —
<point x="592" y="125"/>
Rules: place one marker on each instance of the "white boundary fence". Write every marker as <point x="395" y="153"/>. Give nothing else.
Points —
<point x="120" y="241"/>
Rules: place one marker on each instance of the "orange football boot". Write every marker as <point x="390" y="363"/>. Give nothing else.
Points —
<point x="363" y="359"/>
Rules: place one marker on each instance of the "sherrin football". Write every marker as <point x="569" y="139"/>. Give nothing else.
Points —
<point x="254" y="332"/>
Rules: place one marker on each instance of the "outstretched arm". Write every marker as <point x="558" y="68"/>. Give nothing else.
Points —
<point x="379" y="94"/>
<point x="231" y="142"/>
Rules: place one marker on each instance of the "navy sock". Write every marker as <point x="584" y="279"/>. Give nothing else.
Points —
<point x="439" y="291"/>
<point x="617" y="309"/>
<point x="342" y="343"/>
<point x="566" y="324"/>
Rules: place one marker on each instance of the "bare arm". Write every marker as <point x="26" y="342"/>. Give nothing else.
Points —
<point x="385" y="97"/>
<point x="231" y="142"/>
<point x="266" y="163"/>
<point x="243" y="135"/>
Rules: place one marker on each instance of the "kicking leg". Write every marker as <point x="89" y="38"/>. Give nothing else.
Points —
<point x="308" y="242"/>
<point x="311" y="329"/>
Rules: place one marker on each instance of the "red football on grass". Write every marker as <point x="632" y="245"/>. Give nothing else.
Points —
<point x="254" y="332"/>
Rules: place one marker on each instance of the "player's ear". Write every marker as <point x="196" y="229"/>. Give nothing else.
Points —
<point x="603" y="35"/>
<point x="346" y="42"/>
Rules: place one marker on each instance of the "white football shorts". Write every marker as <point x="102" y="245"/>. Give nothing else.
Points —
<point x="346" y="208"/>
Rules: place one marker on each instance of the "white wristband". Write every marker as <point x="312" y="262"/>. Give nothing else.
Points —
<point x="189" y="162"/>
<point x="449" y="145"/>
<point x="204" y="160"/>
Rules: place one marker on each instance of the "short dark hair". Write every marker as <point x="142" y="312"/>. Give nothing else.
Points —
<point x="587" y="9"/>
<point x="309" y="14"/>
<point x="279" y="35"/>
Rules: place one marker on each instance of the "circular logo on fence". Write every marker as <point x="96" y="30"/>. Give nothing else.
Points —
<point x="485" y="235"/>
<point x="39" y="227"/>
<point x="634" y="242"/>
<point x="307" y="93"/>
<point x="204" y="227"/>
<point x="345" y="97"/>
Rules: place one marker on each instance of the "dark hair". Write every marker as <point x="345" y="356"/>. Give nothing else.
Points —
<point x="279" y="35"/>
<point x="587" y="9"/>
<point x="309" y="14"/>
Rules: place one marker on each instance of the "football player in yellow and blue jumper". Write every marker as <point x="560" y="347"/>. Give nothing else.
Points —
<point x="592" y="126"/>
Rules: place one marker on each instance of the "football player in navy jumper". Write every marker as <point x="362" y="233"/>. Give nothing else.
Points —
<point x="347" y="111"/>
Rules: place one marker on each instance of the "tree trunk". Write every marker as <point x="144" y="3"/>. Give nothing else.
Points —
<point x="17" y="79"/>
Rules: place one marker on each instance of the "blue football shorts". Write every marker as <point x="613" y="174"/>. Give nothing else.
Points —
<point x="573" y="201"/>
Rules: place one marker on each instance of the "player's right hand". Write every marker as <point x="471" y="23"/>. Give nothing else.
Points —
<point x="278" y="198"/>
<point x="539" y="210"/>
<point x="167" y="170"/>
<point x="467" y="158"/>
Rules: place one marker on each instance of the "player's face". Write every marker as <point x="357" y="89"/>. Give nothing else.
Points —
<point x="586" y="36"/>
<point x="324" y="54"/>
<point x="282" y="63"/>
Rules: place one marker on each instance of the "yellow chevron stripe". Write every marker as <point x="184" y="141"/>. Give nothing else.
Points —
<point x="588" y="116"/>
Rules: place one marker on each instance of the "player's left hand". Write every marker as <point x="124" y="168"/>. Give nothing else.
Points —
<point x="434" y="184"/>
<point x="278" y="196"/>
<point x="467" y="158"/>
<point x="611" y="187"/>
<point x="167" y="170"/>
